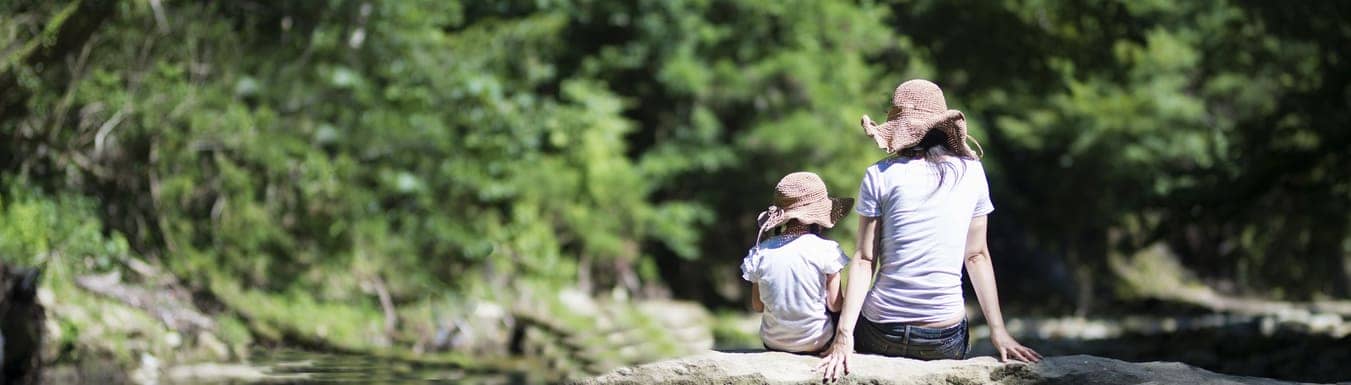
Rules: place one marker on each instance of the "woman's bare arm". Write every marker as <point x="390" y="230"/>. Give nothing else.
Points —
<point x="836" y="363"/>
<point x="979" y="267"/>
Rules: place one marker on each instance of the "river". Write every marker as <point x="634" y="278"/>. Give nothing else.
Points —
<point x="1243" y="345"/>
<point x="290" y="366"/>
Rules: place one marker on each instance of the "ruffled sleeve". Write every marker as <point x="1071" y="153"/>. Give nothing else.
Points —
<point x="750" y="266"/>
<point x="832" y="258"/>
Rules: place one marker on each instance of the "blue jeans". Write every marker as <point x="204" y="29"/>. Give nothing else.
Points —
<point x="901" y="340"/>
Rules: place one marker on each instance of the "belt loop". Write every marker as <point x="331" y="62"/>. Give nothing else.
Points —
<point x="905" y="342"/>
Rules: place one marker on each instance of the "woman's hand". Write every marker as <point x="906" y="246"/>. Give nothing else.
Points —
<point x="1010" y="348"/>
<point x="836" y="361"/>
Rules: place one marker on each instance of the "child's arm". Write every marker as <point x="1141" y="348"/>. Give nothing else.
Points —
<point x="834" y="301"/>
<point x="756" y="305"/>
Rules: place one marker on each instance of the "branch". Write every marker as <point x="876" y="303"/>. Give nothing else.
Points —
<point x="386" y="304"/>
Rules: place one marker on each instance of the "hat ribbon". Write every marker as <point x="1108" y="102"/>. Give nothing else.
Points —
<point x="770" y="215"/>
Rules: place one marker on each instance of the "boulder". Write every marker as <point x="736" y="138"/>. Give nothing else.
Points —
<point x="21" y="319"/>
<point x="784" y="368"/>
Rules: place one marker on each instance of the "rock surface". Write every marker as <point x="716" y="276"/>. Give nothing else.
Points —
<point x="21" y="320"/>
<point x="783" y="368"/>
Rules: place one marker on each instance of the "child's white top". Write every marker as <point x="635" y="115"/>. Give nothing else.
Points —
<point x="923" y="241"/>
<point x="791" y="271"/>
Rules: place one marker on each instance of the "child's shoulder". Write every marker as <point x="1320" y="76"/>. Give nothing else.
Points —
<point x="783" y="243"/>
<point x="817" y="241"/>
<point x="812" y="237"/>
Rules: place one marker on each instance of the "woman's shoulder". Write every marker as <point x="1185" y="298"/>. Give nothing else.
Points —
<point x="970" y="160"/>
<point x="973" y="164"/>
<point x="887" y="162"/>
<point x="893" y="163"/>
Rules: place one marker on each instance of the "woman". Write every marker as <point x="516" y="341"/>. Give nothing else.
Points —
<point x="930" y="200"/>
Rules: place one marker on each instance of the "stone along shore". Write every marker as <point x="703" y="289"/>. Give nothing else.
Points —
<point x="783" y="368"/>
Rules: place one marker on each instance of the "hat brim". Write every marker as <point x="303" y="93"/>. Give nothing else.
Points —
<point x="839" y="208"/>
<point x="826" y="213"/>
<point x="898" y="134"/>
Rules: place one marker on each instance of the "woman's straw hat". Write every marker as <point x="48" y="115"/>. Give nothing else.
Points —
<point x="916" y="108"/>
<point x="802" y="196"/>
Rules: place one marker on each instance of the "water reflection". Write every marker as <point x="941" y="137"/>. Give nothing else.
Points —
<point x="1292" y="348"/>
<point x="1233" y="344"/>
<point x="286" y="366"/>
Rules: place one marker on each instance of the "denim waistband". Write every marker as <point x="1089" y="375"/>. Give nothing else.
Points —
<point x="902" y="329"/>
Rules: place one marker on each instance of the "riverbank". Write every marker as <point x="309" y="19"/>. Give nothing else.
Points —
<point x="116" y="316"/>
<point x="101" y="334"/>
<point x="290" y="366"/>
<point x="784" y="369"/>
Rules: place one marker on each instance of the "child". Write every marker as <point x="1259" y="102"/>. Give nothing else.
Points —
<point x="794" y="274"/>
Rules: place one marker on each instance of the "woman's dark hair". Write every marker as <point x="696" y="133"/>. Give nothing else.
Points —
<point x="932" y="149"/>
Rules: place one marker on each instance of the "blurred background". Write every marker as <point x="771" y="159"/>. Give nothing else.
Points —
<point x="485" y="186"/>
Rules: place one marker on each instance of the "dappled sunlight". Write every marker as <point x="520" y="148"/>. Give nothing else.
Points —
<point x="534" y="191"/>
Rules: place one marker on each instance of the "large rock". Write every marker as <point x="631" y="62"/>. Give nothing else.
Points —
<point x="21" y="319"/>
<point x="783" y="368"/>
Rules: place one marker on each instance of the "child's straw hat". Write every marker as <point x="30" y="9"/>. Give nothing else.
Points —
<point x="802" y="196"/>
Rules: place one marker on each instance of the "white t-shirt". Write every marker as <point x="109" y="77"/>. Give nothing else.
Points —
<point x="791" y="271"/>
<point x="924" y="228"/>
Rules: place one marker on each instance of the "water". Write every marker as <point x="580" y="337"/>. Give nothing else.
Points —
<point x="1242" y="345"/>
<point x="286" y="366"/>
<point x="1259" y="346"/>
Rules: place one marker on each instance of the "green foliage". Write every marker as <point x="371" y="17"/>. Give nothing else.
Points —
<point x="439" y="145"/>
<point x="1202" y="124"/>
<point x="388" y="148"/>
<point x="61" y="234"/>
<point x="298" y="317"/>
<point x="55" y="232"/>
